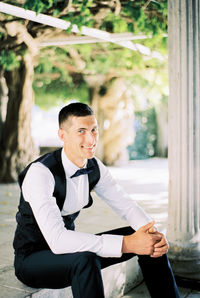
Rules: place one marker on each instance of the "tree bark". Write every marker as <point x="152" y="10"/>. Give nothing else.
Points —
<point x="162" y="130"/>
<point x="114" y="110"/>
<point x="17" y="148"/>
<point x="3" y="100"/>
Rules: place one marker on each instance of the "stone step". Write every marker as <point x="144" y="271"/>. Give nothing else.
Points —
<point x="118" y="280"/>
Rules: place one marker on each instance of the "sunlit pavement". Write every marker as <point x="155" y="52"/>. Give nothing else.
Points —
<point x="146" y="181"/>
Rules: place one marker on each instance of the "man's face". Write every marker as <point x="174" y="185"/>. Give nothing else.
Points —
<point x="80" y="136"/>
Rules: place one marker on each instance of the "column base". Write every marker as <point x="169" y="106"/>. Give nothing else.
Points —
<point x="186" y="269"/>
<point x="185" y="263"/>
<point x="188" y="283"/>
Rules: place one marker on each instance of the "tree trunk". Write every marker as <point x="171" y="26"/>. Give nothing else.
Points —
<point x="3" y="100"/>
<point x="114" y="110"/>
<point x="162" y="130"/>
<point x="17" y="148"/>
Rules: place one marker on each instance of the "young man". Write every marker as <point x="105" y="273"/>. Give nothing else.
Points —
<point x="49" y="253"/>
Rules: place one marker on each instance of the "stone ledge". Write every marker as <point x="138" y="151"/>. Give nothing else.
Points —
<point x="118" y="280"/>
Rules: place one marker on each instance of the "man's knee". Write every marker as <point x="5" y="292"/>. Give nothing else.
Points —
<point x="156" y="263"/>
<point x="87" y="260"/>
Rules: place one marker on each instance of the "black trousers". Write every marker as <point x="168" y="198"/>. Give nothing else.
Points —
<point x="82" y="271"/>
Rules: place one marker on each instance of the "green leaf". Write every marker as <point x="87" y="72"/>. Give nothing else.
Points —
<point x="39" y="5"/>
<point x="69" y="29"/>
<point x="9" y="60"/>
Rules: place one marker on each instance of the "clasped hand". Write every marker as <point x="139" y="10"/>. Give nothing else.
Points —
<point x="146" y="241"/>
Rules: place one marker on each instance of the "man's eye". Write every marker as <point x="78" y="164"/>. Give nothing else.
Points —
<point x="81" y="131"/>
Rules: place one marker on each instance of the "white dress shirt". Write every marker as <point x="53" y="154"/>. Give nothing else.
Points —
<point x="37" y="189"/>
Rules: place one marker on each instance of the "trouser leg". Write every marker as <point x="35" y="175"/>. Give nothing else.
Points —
<point x="87" y="279"/>
<point x="159" y="277"/>
<point x="44" y="269"/>
<point x="157" y="272"/>
<point x="82" y="271"/>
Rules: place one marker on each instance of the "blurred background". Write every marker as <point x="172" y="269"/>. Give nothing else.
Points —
<point x="125" y="81"/>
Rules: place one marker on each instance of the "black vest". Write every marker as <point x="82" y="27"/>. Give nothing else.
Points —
<point x="28" y="237"/>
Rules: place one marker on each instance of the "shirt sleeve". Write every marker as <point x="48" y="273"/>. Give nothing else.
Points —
<point x="37" y="189"/>
<point x="120" y="201"/>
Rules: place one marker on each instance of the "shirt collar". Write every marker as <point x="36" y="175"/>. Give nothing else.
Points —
<point x="69" y="167"/>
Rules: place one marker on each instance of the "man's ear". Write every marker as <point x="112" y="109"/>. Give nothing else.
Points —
<point x="61" y="134"/>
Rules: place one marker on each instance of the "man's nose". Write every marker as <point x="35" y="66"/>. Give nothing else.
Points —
<point x="90" y="138"/>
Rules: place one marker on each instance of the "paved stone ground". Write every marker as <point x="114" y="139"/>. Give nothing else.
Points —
<point x="145" y="180"/>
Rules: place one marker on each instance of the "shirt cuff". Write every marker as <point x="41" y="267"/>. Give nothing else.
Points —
<point x="111" y="246"/>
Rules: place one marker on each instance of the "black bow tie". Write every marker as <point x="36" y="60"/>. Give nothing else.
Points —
<point x="82" y="172"/>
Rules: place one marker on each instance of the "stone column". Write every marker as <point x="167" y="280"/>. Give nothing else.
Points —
<point x="183" y="230"/>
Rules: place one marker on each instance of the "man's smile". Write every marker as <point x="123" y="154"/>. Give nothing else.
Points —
<point x="88" y="147"/>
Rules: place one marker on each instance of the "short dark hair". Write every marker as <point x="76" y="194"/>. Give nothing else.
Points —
<point x="77" y="109"/>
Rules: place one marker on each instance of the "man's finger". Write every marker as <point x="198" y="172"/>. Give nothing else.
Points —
<point x="161" y="243"/>
<point x="152" y="230"/>
<point x="163" y="250"/>
<point x="148" y="226"/>
<point x="156" y="255"/>
<point x="157" y="238"/>
<point x="160" y="253"/>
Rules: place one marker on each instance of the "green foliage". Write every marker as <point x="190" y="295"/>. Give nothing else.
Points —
<point x="149" y="19"/>
<point x="57" y="92"/>
<point x="39" y="5"/>
<point x="53" y="84"/>
<point x="52" y="66"/>
<point x="146" y="73"/>
<point x="144" y="145"/>
<point x="107" y="57"/>
<point x="138" y="16"/>
<point x="9" y="60"/>
<point x="82" y="19"/>
<point x="114" y="24"/>
<point x="1" y="35"/>
<point x="135" y="16"/>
